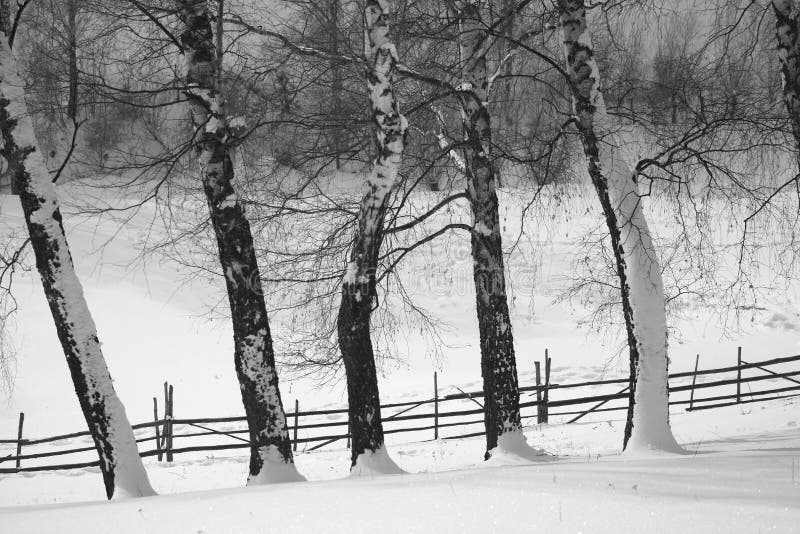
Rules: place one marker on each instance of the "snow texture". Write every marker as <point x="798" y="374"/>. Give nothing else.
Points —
<point x="373" y="463"/>
<point x="739" y="483"/>
<point x="482" y="228"/>
<point x="229" y="201"/>
<point x="275" y="469"/>
<point x="513" y="449"/>
<point x="351" y="276"/>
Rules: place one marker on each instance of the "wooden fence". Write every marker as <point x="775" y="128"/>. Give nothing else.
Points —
<point x="315" y="429"/>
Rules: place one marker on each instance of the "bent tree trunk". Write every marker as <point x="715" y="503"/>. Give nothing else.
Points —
<point x="270" y="449"/>
<point x="787" y="14"/>
<point x="358" y="287"/>
<point x="643" y="304"/>
<point x="498" y="363"/>
<point x="122" y="469"/>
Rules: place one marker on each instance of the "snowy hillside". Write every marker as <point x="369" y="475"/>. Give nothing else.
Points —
<point x="153" y="320"/>
<point x="142" y="304"/>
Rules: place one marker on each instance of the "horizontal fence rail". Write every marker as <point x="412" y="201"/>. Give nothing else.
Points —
<point x="169" y="435"/>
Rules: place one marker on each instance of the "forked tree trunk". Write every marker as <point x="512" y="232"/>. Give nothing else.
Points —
<point x="270" y="448"/>
<point x="787" y="14"/>
<point x="358" y="287"/>
<point x="498" y="363"/>
<point x="122" y="469"/>
<point x="637" y="266"/>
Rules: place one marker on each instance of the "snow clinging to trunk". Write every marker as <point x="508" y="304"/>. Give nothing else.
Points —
<point x="498" y="361"/>
<point x="358" y="284"/>
<point x="254" y="359"/>
<point x="635" y="255"/>
<point x="122" y="469"/>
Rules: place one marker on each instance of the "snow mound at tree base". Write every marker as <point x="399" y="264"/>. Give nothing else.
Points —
<point x="513" y="449"/>
<point x="649" y="441"/>
<point x="372" y="463"/>
<point x="141" y="489"/>
<point x="275" y="469"/>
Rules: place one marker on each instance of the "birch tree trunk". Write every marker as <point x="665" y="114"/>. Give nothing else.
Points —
<point x="505" y="87"/>
<point x="72" y="50"/>
<point x="358" y="287"/>
<point x="122" y="469"/>
<point x="337" y="85"/>
<point x="270" y="448"/>
<point x="639" y="273"/>
<point x="498" y="363"/>
<point x="787" y="14"/>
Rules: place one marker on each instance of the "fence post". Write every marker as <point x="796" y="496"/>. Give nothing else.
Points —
<point x="19" y="438"/>
<point x="171" y="418"/>
<point x="296" y="416"/>
<point x="546" y="393"/>
<point x="694" y="379"/>
<point x="739" y="375"/>
<point x="168" y="413"/>
<point x="538" y="394"/>
<point x="348" y="430"/>
<point x="165" y="428"/>
<point x="158" y="432"/>
<point x="435" y="405"/>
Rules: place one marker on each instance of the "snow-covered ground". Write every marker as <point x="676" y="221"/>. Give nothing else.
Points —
<point x="743" y="474"/>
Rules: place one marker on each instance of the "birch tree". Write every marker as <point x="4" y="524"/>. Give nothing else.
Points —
<point x="270" y="448"/>
<point x="787" y="14"/>
<point x="120" y="464"/>
<point x="359" y="284"/>
<point x="498" y="362"/>
<point x="642" y="291"/>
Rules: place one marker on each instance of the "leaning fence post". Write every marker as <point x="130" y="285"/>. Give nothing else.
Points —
<point x="158" y="432"/>
<point x="435" y="405"/>
<point x="19" y="439"/>
<point x="739" y="376"/>
<point x="694" y="379"/>
<point x="546" y="393"/>
<point x="538" y="394"/>
<point x="296" y="416"/>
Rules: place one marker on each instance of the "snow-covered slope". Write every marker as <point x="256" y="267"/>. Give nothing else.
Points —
<point x="154" y="325"/>
<point x="743" y="474"/>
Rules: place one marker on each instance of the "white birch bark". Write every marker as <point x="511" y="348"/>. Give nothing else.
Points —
<point x="787" y="29"/>
<point x="358" y="286"/>
<point x="122" y="469"/>
<point x="271" y="457"/>
<point x="502" y="417"/>
<point x="637" y="261"/>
